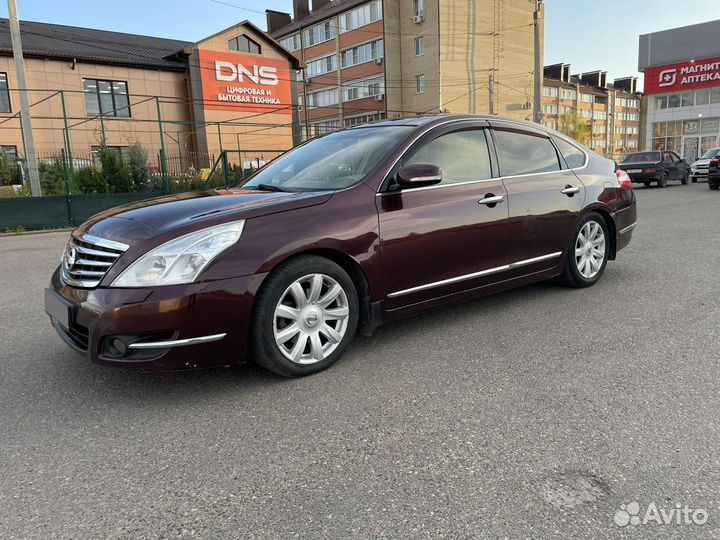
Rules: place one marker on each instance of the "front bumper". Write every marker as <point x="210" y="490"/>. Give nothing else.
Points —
<point x="186" y="326"/>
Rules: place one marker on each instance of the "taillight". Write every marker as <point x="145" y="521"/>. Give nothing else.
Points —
<point x="715" y="162"/>
<point x="623" y="179"/>
<point x="650" y="170"/>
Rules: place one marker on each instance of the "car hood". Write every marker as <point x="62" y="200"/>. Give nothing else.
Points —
<point x="701" y="162"/>
<point x="183" y="212"/>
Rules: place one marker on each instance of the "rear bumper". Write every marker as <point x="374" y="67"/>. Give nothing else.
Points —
<point x="625" y="223"/>
<point x="164" y="328"/>
<point x="645" y="177"/>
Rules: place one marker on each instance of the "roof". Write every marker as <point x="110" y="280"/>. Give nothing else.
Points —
<point x="317" y="15"/>
<point x="46" y="40"/>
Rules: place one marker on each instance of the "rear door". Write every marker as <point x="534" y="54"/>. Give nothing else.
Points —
<point x="442" y="239"/>
<point x="544" y="195"/>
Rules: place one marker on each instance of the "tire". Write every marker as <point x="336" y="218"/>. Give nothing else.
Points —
<point x="694" y="179"/>
<point x="576" y="273"/>
<point x="647" y="184"/>
<point x="663" y="180"/>
<point x="685" y="178"/>
<point x="713" y="185"/>
<point x="294" y="294"/>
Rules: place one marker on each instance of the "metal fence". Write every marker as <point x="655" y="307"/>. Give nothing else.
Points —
<point x="86" y="184"/>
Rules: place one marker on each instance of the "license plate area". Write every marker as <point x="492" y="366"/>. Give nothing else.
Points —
<point x="58" y="308"/>
<point x="634" y="171"/>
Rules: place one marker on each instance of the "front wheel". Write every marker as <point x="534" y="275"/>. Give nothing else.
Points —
<point x="663" y="181"/>
<point x="587" y="253"/>
<point x="306" y="316"/>
<point x="685" y="178"/>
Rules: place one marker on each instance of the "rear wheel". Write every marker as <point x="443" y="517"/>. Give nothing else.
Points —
<point x="306" y="316"/>
<point x="663" y="180"/>
<point x="713" y="185"/>
<point x="646" y="184"/>
<point x="587" y="253"/>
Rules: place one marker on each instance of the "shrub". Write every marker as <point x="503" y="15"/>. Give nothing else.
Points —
<point x="90" y="180"/>
<point x="52" y="177"/>
<point x="115" y="173"/>
<point x="138" y="164"/>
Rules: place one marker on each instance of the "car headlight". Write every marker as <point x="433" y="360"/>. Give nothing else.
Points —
<point x="182" y="259"/>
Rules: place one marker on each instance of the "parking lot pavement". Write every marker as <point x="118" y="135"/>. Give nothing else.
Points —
<point x="533" y="413"/>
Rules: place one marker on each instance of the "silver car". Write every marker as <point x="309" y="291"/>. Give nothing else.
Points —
<point x="699" y="168"/>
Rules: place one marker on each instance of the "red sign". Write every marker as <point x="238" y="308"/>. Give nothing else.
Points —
<point x="245" y="83"/>
<point x="683" y="76"/>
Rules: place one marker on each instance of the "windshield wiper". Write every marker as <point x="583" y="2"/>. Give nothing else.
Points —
<point x="267" y="187"/>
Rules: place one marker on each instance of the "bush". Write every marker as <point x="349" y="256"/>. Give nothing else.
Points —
<point x="9" y="171"/>
<point x="138" y="164"/>
<point x="90" y="180"/>
<point x="52" y="177"/>
<point x="115" y="173"/>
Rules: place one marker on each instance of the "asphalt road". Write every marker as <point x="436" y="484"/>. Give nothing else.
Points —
<point x="533" y="413"/>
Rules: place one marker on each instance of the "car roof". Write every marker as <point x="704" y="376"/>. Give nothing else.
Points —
<point x="424" y="120"/>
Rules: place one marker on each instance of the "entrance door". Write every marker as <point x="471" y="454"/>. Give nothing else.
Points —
<point x="690" y="148"/>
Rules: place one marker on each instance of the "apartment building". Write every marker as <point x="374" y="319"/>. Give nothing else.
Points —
<point x="373" y="59"/>
<point x="613" y="111"/>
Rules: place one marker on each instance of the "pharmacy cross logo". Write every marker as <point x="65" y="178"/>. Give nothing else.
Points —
<point x="667" y="77"/>
<point x="680" y="514"/>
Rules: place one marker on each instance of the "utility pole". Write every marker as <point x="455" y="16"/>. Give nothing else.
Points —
<point x="537" y="92"/>
<point x="29" y="140"/>
<point x="491" y="93"/>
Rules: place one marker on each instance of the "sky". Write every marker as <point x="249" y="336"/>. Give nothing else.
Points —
<point x="589" y="35"/>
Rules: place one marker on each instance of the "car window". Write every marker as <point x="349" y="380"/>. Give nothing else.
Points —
<point x="642" y="156"/>
<point x="574" y="157"/>
<point x="524" y="153"/>
<point x="675" y="157"/>
<point x="667" y="158"/>
<point x="462" y="156"/>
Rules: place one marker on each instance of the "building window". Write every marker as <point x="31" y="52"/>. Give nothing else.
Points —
<point x="320" y="33"/>
<point x="321" y="66"/>
<point x="599" y="115"/>
<point x="420" y="84"/>
<point x="363" y="53"/>
<point x="361" y="16"/>
<point x="568" y="94"/>
<point x="550" y="109"/>
<point x="106" y="98"/>
<point x="419" y="45"/>
<point x="363" y="119"/>
<point x="550" y="91"/>
<point x="4" y="94"/>
<point x="244" y="44"/>
<point x="291" y="43"/>
<point x="419" y="8"/>
<point x="586" y="98"/>
<point x="323" y="98"/>
<point x="321" y="128"/>
<point x="364" y="89"/>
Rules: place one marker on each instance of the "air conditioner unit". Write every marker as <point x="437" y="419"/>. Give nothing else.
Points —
<point x="379" y="97"/>
<point x="417" y="19"/>
<point x="379" y="60"/>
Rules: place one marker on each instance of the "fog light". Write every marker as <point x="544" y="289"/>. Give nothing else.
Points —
<point x="117" y="347"/>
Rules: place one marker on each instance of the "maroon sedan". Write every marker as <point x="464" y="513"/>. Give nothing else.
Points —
<point x="344" y="233"/>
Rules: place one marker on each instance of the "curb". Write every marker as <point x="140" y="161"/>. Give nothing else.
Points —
<point x="46" y="231"/>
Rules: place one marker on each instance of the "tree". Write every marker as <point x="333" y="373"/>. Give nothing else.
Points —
<point x="138" y="164"/>
<point x="575" y="126"/>
<point x="115" y="172"/>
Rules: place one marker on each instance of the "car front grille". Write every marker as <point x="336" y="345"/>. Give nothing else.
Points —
<point x="87" y="259"/>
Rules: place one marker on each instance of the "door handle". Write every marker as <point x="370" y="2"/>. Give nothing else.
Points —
<point x="491" y="200"/>
<point x="570" y="191"/>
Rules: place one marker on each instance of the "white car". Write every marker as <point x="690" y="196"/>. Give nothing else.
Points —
<point x="699" y="168"/>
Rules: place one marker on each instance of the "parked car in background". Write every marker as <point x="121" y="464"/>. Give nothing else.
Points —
<point x="699" y="168"/>
<point x="343" y="233"/>
<point x="658" y="167"/>
<point x="714" y="172"/>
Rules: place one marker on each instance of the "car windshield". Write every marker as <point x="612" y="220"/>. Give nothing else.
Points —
<point x="710" y="153"/>
<point x="335" y="161"/>
<point x="642" y="156"/>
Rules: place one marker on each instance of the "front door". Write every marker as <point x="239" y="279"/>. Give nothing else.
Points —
<point x="442" y="239"/>
<point x="544" y="199"/>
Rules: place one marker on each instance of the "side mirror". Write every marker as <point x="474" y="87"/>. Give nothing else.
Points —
<point x="418" y="175"/>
